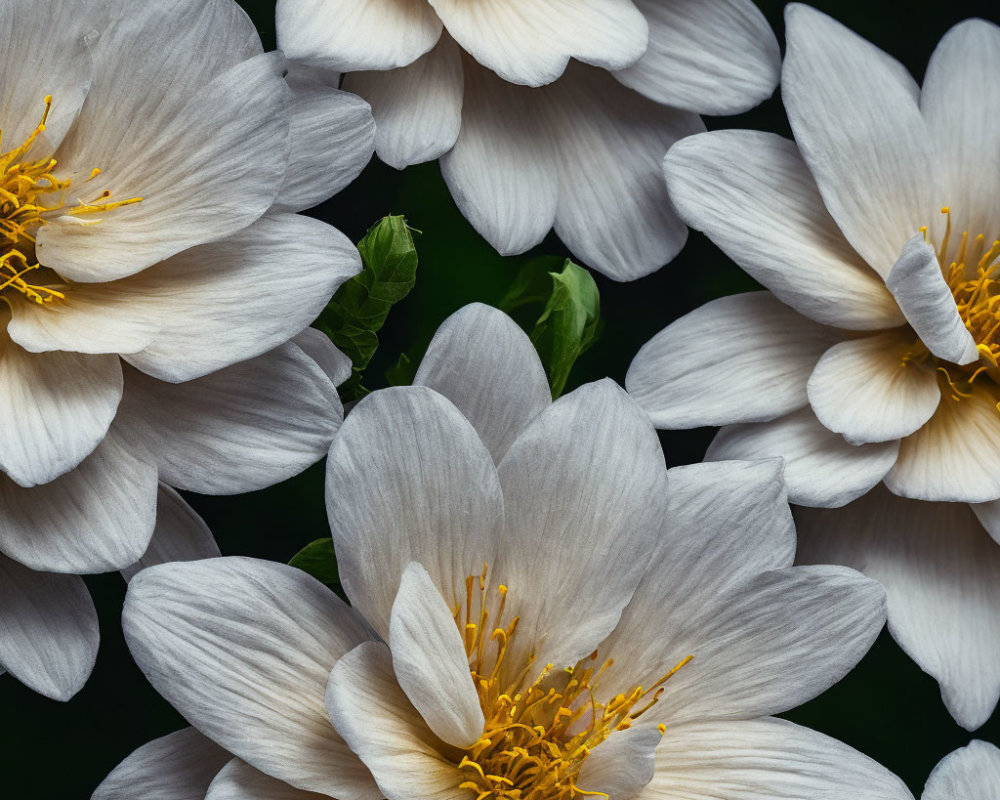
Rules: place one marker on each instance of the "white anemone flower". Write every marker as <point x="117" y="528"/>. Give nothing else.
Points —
<point x="545" y="115"/>
<point x="539" y="610"/>
<point x="152" y="274"/>
<point x="874" y="356"/>
<point x="970" y="773"/>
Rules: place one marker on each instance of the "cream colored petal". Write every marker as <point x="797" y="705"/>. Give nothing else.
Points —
<point x="377" y="720"/>
<point x="956" y="455"/>
<point x="868" y="391"/>
<point x="429" y="660"/>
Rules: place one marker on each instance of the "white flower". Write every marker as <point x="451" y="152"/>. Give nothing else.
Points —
<point x="152" y="273"/>
<point x="874" y="357"/>
<point x="970" y="773"/>
<point x="529" y="140"/>
<point x="539" y="610"/>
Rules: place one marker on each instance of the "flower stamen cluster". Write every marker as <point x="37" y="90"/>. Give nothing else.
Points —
<point x="538" y="733"/>
<point x="25" y="185"/>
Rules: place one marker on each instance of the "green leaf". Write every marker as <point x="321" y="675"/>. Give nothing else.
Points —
<point x="360" y="307"/>
<point x="318" y="559"/>
<point x="533" y="284"/>
<point x="569" y="325"/>
<point x="402" y="372"/>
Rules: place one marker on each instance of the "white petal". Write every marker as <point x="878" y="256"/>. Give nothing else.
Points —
<point x="483" y="362"/>
<point x="861" y="133"/>
<point x="417" y="108"/>
<point x="358" y="34"/>
<point x="613" y="212"/>
<point x="726" y="522"/>
<point x="57" y="40"/>
<point x="139" y="86"/>
<point x="584" y="486"/>
<point x="225" y="302"/>
<point x="205" y="308"/>
<point x="922" y="293"/>
<point x="95" y="518"/>
<point x="376" y="719"/>
<point x="706" y="56"/>
<point x="333" y="138"/>
<point x="48" y="630"/>
<point x="530" y="43"/>
<point x="765" y="759"/>
<point x="408" y="479"/>
<point x="866" y="389"/>
<point x="969" y="773"/>
<point x="429" y="660"/>
<point x="231" y="136"/>
<point x="955" y="456"/>
<point x="988" y="515"/>
<point x="502" y="169"/>
<point x="319" y="348"/>
<point x="753" y="195"/>
<point x="622" y="765"/>
<point x="956" y="102"/>
<point x="180" y="535"/>
<point x="239" y="781"/>
<point x="242" y="428"/>
<point x="743" y="358"/>
<point x="242" y="648"/>
<point x="57" y="409"/>
<point x="178" y="766"/>
<point x="769" y="644"/>
<point x="942" y="577"/>
<point x="821" y="469"/>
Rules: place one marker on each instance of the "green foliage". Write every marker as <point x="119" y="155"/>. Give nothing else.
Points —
<point x="402" y="372"/>
<point x="571" y="320"/>
<point x="359" y="309"/>
<point x="319" y="560"/>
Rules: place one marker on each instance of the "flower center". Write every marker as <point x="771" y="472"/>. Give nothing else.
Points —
<point x="972" y="272"/>
<point x="31" y="195"/>
<point x="538" y="732"/>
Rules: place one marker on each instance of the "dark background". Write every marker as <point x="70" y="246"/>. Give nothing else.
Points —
<point x="886" y="708"/>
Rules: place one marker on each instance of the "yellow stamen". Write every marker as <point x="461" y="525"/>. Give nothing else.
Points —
<point x="539" y="731"/>
<point x="30" y="195"/>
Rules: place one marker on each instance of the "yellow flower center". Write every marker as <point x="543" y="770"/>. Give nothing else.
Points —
<point x="538" y="731"/>
<point x="972" y="272"/>
<point x="31" y="195"/>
